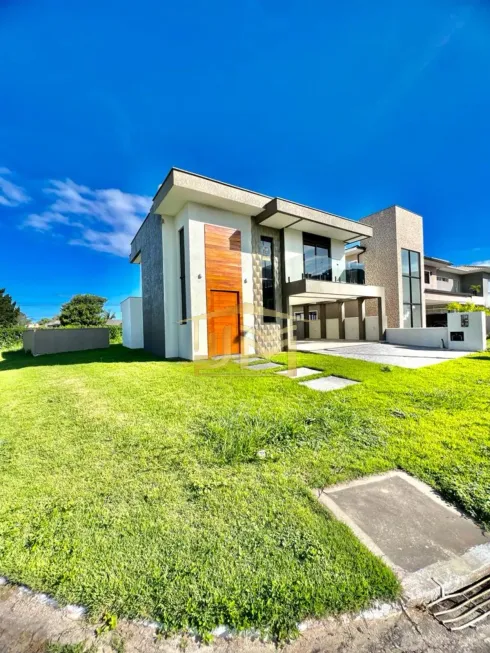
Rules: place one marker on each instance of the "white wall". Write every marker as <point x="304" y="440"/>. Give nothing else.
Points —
<point x="293" y="250"/>
<point x="333" y="328"/>
<point x="196" y="344"/>
<point x="171" y="286"/>
<point x="338" y="256"/>
<point x="352" y="328"/>
<point x="423" y="337"/>
<point x="132" y="318"/>
<point x="474" y="334"/>
<point x="372" y="328"/>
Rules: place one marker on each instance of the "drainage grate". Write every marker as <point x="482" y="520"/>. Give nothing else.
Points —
<point x="464" y="608"/>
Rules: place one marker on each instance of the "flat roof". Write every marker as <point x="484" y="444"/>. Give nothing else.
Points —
<point x="181" y="186"/>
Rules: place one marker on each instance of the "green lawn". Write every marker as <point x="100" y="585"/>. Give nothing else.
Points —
<point x="133" y="486"/>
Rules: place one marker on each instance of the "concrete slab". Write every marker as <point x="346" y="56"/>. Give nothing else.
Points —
<point x="246" y="361"/>
<point x="328" y="383"/>
<point x="263" y="366"/>
<point x="381" y="352"/>
<point x="426" y="541"/>
<point x="299" y="372"/>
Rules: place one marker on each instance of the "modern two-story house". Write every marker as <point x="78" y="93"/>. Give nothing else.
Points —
<point x="445" y="283"/>
<point x="227" y="270"/>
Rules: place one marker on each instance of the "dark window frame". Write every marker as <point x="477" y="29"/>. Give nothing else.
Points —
<point x="410" y="276"/>
<point x="268" y="282"/>
<point x="313" y="240"/>
<point x="183" y="290"/>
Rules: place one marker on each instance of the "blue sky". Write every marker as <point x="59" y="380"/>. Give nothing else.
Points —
<point x="349" y="107"/>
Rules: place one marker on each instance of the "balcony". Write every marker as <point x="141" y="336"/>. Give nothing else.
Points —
<point x="326" y="268"/>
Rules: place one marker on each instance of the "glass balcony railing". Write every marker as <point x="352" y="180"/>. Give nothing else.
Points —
<point x="325" y="268"/>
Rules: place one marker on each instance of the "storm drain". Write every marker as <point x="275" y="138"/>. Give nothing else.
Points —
<point x="465" y="608"/>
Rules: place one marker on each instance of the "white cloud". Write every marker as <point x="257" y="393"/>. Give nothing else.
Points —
<point x="105" y="220"/>
<point x="482" y="264"/>
<point x="10" y="193"/>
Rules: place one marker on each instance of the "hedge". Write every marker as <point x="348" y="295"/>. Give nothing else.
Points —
<point x="11" y="337"/>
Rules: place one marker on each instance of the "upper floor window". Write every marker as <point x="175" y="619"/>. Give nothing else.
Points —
<point x="183" y="299"/>
<point x="268" y="281"/>
<point x="316" y="257"/>
<point x="427" y="277"/>
<point x="412" y="296"/>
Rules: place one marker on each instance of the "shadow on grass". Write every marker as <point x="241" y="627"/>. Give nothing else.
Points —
<point x="17" y="359"/>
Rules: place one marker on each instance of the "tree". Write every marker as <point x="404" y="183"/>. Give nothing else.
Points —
<point x="475" y="289"/>
<point x="23" y="320"/>
<point x="84" y="311"/>
<point x="9" y="311"/>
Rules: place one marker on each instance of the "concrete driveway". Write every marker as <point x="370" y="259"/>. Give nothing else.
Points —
<point x="380" y="352"/>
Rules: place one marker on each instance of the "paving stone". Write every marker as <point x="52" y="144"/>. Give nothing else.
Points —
<point x="299" y="372"/>
<point x="245" y="361"/>
<point x="327" y="383"/>
<point x="263" y="366"/>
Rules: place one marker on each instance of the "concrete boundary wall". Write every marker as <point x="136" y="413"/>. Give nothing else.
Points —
<point x="429" y="337"/>
<point x="465" y="332"/>
<point x="57" y="341"/>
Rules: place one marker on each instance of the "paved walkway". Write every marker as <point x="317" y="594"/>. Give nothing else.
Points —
<point x="380" y="352"/>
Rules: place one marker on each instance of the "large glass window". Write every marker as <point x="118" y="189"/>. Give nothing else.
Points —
<point x="316" y="256"/>
<point x="268" y="293"/>
<point x="183" y="299"/>
<point x="412" y="297"/>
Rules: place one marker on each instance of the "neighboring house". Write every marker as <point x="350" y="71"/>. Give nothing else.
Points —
<point x="114" y="322"/>
<point x="227" y="270"/>
<point x="418" y="288"/>
<point x="445" y="283"/>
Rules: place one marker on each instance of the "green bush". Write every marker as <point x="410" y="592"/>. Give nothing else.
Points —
<point x="115" y="333"/>
<point x="11" y="337"/>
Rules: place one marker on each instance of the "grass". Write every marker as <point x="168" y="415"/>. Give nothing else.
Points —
<point x="133" y="486"/>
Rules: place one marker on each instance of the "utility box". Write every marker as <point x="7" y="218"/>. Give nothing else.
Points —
<point x="467" y="331"/>
<point x="132" y="319"/>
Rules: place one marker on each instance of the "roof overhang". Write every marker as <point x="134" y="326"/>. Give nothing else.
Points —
<point x="431" y="260"/>
<point x="354" y="251"/>
<point x="181" y="187"/>
<point x="311" y="291"/>
<point x="281" y="214"/>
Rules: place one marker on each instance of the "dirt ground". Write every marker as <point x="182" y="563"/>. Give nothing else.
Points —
<point x="29" y="622"/>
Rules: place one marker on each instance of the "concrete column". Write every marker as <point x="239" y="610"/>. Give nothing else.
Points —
<point x="306" y="313"/>
<point x="381" y="317"/>
<point x="361" y="314"/>
<point x="341" y="306"/>
<point x="323" y="321"/>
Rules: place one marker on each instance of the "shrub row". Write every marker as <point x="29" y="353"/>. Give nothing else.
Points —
<point x="11" y="336"/>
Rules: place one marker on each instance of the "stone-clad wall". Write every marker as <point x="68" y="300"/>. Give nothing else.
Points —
<point x="268" y="334"/>
<point x="148" y="241"/>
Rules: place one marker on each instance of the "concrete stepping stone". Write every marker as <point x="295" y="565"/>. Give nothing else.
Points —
<point x="246" y="361"/>
<point x="432" y="547"/>
<point x="299" y="372"/>
<point x="327" y="383"/>
<point x="263" y="366"/>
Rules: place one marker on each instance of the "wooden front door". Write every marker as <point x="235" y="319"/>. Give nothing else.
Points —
<point x="224" y="330"/>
